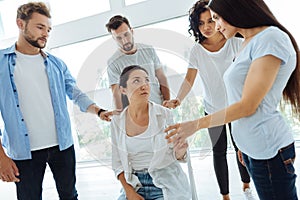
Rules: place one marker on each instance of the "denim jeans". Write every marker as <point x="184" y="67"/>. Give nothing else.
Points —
<point x="62" y="165"/>
<point x="149" y="191"/>
<point x="274" y="178"/>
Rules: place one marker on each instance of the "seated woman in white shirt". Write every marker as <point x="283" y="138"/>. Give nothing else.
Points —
<point x="145" y="164"/>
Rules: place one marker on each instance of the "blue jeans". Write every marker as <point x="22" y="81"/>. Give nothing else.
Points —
<point x="149" y="191"/>
<point x="62" y="165"/>
<point x="274" y="178"/>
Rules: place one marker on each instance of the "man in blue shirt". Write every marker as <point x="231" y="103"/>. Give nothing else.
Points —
<point x="33" y="90"/>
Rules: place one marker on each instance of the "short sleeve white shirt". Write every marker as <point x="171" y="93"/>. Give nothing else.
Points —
<point x="211" y="67"/>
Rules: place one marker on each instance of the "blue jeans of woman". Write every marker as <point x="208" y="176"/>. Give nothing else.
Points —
<point x="274" y="178"/>
<point x="62" y="165"/>
<point x="148" y="190"/>
<point x="218" y="137"/>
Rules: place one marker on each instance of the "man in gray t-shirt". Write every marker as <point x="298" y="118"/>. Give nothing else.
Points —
<point x="130" y="53"/>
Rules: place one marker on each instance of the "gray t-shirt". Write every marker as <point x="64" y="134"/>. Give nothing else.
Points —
<point x="146" y="57"/>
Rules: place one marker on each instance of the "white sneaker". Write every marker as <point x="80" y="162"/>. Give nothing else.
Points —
<point x="248" y="194"/>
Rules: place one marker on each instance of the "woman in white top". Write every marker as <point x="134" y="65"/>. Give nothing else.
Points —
<point x="265" y="70"/>
<point x="145" y="164"/>
<point x="211" y="55"/>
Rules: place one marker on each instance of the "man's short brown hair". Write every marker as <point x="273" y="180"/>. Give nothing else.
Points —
<point x="25" y="11"/>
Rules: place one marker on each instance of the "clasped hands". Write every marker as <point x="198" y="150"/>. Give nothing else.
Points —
<point x="173" y="103"/>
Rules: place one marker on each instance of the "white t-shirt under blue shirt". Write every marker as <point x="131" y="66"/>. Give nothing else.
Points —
<point x="262" y="134"/>
<point x="35" y="100"/>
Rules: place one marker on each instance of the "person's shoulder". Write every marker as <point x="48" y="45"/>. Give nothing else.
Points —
<point x="272" y="32"/>
<point x="270" y="36"/>
<point x="54" y="58"/>
<point x="235" y="40"/>
<point x="117" y="54"/>
<point x="116" y="119"/>
<point x="7" y="50"/>
<point x="142" y="46"/>
<point x="159" y="109"/>
<point x="196" y="47"/>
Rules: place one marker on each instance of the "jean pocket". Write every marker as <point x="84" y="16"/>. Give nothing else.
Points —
<point x="288" y="157"/>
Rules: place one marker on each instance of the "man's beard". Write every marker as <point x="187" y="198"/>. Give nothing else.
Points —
<point x="31" y="41"/>
<point x="128" y="46"/>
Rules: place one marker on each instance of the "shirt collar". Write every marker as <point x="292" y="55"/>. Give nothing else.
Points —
<point x="12" y="50"/>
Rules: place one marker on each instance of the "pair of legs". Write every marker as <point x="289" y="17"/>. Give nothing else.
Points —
<point x="62" y="165"/>
<point x="148" y="190"/>
<point x="274" y="178"/>
<point x="218" y="136"/>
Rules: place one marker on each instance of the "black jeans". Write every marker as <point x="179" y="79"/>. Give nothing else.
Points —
<point x="218" y="137"/>
<point x="62" y="165"/>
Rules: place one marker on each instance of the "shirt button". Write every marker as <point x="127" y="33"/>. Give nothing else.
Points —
<point x="26" y="134"/>
<point x="17" y="105"/>
<point x="15" y="90"/>
<point x="22" y="120"/>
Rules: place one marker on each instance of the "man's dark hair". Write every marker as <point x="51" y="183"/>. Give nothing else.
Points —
<point x="115" y="22"/>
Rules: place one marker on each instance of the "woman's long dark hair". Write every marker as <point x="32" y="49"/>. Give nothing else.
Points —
<point x="194" y="14"/>
<point x="124" y="78"/>
<point x="255" y="13"/>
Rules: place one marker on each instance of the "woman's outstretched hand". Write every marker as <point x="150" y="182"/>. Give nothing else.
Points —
<point x="180" y="132"/>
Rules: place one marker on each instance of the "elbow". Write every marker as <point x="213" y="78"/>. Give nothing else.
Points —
<point x="248" y="109"/>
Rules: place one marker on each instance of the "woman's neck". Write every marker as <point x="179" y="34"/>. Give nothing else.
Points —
<point x="137" y="119"/>
<point x="248" y="34"/>
<point x="136" y="110"/>
<point x="214" y="43"/>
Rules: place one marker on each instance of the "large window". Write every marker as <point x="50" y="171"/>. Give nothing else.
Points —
<point x="69" y="10"/>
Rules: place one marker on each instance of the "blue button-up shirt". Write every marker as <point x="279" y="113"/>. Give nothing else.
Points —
<point x="15" y="135"/>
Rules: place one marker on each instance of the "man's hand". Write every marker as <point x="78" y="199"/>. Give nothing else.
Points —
<point x="8" y="170"/>
<point x="106" y="115"/>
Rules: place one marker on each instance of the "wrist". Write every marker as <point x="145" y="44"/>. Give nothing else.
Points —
<point x="202" y="123"/>
<point x="100" y="111"/>
<point x="183" y="157"/>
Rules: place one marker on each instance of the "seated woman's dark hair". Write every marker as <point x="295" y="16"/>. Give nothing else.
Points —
<point x="124" y="78"/>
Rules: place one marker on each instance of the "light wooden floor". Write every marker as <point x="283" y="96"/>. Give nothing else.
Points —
<point x="96" y="182"/>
